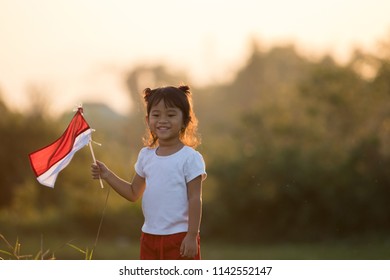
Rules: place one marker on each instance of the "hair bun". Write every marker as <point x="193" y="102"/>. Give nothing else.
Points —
<point x="147" y="92"/>
<point x="185" y="89"/>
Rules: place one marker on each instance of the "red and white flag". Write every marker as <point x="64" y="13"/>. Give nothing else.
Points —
<point x="47" y="162"/>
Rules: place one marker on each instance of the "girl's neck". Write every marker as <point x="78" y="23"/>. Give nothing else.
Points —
<point x="166" y="149"/>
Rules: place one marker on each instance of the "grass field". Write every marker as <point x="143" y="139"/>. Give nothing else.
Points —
<point x="363" y="249"/>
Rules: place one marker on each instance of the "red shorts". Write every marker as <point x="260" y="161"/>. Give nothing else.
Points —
<point x="163" y="247"/>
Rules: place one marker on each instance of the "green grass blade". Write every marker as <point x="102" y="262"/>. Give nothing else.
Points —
<point x="6" y="253"/>
<point x="76" y="248"/>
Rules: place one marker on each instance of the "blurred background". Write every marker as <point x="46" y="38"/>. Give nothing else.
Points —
<point x="293" y="100"/>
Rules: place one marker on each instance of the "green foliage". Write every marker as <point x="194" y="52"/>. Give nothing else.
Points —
<point x="296" y="150"/>
<point x="310" y="167"/>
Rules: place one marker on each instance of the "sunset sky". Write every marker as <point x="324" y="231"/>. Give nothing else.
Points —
<point x="79" y="50"/>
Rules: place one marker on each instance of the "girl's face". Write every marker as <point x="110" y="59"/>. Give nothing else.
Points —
<point x="165" y="122"/>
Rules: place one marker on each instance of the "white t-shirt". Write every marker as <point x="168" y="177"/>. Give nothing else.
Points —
<point x="165" y="199"/>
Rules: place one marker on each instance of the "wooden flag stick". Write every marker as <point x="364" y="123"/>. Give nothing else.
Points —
<point x="94" y="161"/>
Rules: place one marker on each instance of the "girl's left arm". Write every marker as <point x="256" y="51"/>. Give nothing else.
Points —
<point x="189" y="246"/>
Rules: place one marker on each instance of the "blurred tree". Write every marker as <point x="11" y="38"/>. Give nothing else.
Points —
<point x="295" y="150"/>
<point x="15" y="130"/>
<point x="303" y="161"/>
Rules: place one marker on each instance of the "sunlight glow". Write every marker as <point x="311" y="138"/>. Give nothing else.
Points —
<point x="82" y="49"/>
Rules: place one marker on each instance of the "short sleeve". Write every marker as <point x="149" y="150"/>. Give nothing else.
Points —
<point x="139" y="165"/>
<point x="194" y="167"/>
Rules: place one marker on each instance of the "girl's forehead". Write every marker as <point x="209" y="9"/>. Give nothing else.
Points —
<point x="163" y="105"/>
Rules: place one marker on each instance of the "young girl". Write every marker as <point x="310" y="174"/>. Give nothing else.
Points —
<point x="169" y="175"/>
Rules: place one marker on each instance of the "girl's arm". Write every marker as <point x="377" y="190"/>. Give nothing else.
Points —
<point x="131" y="191"/>
<point x="189" y="246"/>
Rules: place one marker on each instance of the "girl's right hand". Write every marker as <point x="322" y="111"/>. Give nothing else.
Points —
<point x="99" y="170"/>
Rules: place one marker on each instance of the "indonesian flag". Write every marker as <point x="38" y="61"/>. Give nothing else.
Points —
<point x="47" y="162"/>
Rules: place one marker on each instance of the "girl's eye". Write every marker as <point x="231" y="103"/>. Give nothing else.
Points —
<point x="171" y="115"/>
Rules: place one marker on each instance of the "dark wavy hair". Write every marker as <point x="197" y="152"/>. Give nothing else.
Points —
<point x="181" y="98"/>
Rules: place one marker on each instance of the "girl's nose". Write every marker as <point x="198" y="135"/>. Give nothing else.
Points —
<point x="162" y="121"/>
